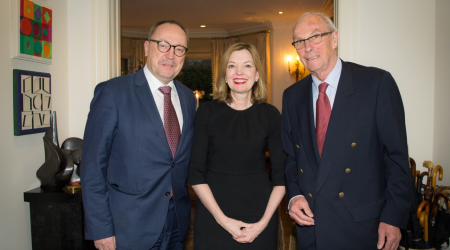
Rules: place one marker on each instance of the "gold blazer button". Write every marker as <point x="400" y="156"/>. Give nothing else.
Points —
<point x="353" y="144"/>
<point x="301" y="170"/>
<point x="341" y="194"/>
<point x="310" y="195"/>
<point x="347" y="170"/>
<point x="297" y="146"/>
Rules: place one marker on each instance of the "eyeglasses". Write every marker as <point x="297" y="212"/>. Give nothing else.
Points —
<point x="164" y="47"/>
<point x="316" y="39"/>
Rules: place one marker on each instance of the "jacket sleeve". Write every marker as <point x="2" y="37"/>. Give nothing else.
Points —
<point x="98" y="138"/>
<point x="290" y="169"/>
<point x="390" y="119"/>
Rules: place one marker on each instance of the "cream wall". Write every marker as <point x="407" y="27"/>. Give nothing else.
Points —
<point x="80" y="78"/>
<point x="21" y="156"/>
<point x="441" y="143"/>
<point x="390" y="39"/>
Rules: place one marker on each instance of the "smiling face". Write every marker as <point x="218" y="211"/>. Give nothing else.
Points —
<point x="321" y="58"/>
<point x="241" y="73"/>
<point x="165" y="66"/>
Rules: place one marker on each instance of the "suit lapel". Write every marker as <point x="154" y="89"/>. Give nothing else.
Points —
<point x="305" y="117"/>
<point x="142" y="90"/>
<point x="344" y="107"/>
<point x="186" y="110"/>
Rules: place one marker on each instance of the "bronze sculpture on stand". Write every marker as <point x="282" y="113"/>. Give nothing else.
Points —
<point x="61" y="169"/>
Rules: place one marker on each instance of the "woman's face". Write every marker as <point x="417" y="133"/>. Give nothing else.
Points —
<point x="241" y="72"/>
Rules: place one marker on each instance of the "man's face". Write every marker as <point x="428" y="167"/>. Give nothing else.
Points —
<point x="321" y="58"/>
<point x="165" y="66"/>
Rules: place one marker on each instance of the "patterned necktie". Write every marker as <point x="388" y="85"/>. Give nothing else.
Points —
<point x="323" y="112"/>
<point x="171" y="125"/>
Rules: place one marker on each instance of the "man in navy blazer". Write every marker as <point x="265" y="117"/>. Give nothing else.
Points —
<point x="353" y="193"/>
<point x="134" y="190"/>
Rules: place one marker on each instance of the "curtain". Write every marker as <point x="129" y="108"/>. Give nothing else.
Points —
<point x="263" y="48"/>
<point x="138" y="59"/>
<point x="219" y="46"/>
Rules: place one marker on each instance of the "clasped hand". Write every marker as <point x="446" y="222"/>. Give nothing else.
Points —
<point x="242" y="232"/>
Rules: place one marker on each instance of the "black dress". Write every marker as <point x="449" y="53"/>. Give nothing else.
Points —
<point x="229" y="155"/>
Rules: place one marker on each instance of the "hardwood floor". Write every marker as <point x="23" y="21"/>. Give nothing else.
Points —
<point x="286" y="223"/>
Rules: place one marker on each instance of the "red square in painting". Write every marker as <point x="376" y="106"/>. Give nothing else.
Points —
<point x="47" y="16"/>
<point x="46" y="33"/>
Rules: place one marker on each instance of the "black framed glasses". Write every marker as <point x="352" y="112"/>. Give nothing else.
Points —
<point x="316" y="39"/>
<point x="164" y="47"/>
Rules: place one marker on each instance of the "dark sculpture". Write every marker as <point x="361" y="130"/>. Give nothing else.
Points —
<point x="62" y="165"/>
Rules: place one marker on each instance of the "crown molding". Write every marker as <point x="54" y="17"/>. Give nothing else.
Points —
<point x="250" y="28"/>
<point x="131" y="32"/>
<point x="283" y="24"/>
<point x="206" y="33"/>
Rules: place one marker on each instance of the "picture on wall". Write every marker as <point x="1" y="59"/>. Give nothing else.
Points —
<point x="32" y="102"/>
<point x="32" y="31"/>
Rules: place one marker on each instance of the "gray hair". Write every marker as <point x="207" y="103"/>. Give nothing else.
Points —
<point x="325" y="19"/>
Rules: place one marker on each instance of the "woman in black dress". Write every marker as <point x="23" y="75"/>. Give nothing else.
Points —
<point x="228" y="163"/>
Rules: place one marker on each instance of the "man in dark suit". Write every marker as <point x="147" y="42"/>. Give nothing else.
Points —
<point x="343" y="129"/>
<point x="136" y="151"/>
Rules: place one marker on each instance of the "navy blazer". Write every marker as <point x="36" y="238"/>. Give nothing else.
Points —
<point x="128" y="169"/>
<point x="363" y="175"/>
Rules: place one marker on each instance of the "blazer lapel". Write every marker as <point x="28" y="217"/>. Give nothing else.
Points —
<point x="344" y="107"/>
<point x="305" y="117"/>
<point x="142" y="90"/>
<point x="185" y="109"/>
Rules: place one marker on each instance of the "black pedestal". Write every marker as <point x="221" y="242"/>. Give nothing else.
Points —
<point x="57" y="220"/>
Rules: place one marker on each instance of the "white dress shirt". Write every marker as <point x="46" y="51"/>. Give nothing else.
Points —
<point x="333" y="81"/>
<point x="154" y="84"/>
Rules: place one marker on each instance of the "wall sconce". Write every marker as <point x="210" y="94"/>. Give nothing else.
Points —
<point x="198" y="95"/>
<point x="295" y="73"/>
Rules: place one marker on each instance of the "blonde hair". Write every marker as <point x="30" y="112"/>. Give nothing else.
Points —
<point x="259" y="89"/>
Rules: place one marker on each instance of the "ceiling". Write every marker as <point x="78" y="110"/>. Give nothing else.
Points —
<point x="221" y="17"/>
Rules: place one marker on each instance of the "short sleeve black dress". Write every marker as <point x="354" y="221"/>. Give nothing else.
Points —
<point x="229" y="155"/>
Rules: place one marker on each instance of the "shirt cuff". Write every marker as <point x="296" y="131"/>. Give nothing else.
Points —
<point x="289" y="204"/>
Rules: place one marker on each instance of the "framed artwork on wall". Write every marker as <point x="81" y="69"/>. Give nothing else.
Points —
<point x="32" y="101"/>
<point x="32" y="31"/>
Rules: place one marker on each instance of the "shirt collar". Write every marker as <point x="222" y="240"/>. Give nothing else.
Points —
<point x="154" y="83"/>
<point x="333" y="78"/>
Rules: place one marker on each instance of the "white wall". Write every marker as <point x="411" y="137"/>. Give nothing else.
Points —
<point x="441" y="144"/>
<point x="21" y="156"/>
<point x="399" y="36"/>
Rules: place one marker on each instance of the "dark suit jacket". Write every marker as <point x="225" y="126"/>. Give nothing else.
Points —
<point x="128" y="168"/>
<point x="363" y="175"/>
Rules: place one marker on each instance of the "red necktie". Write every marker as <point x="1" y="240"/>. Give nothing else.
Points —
<point x="323" y="112"/>
<point x="171" y="125"/>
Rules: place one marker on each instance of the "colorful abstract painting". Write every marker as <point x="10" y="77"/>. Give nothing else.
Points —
<point x="32" y="102"/>
<point x="35" y="31"/>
